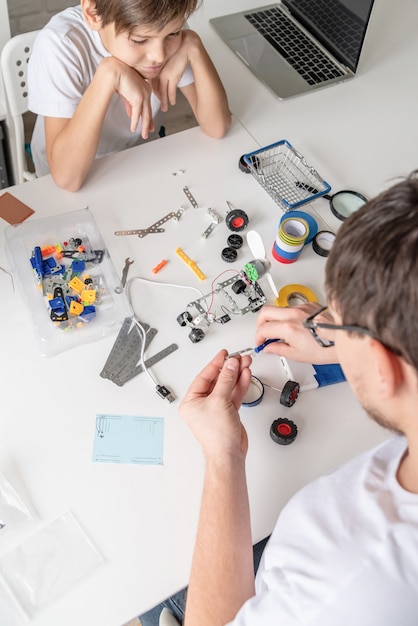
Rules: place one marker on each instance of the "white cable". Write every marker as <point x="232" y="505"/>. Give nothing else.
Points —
<point x="138" y="323"/>
<point x="154" y="282"/>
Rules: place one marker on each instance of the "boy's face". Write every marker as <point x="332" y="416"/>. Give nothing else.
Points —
<point x="146" y="50"/>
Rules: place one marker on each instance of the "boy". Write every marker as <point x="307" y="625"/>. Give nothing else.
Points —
<point x="99" y="73"/>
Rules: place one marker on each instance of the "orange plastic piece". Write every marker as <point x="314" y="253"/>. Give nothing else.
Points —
<point x="48" y="250"/>
<point x="159" y="267"/>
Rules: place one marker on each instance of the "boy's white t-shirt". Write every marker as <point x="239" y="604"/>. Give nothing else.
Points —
<point x="62" y="64"/>
<point x="344" y="551"/>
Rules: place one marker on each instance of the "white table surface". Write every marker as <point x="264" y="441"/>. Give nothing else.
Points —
<point x="361" y="133"/>
<point x="143" y="518"/>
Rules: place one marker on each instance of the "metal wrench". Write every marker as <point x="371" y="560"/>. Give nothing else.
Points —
<point x="128" y="262"/>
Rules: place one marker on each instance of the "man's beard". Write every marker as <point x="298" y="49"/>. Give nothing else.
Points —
<point x="380" y="419"/>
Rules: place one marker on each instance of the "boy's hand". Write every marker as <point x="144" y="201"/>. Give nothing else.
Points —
<point x="135" y="93"/>
<point x="210" y="406"/>
<point x="165" y="84"/>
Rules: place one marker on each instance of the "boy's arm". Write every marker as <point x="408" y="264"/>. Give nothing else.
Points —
<point x="222" y="575"/>
<point x="71" y="144"/>
<point x="206" y="95"/>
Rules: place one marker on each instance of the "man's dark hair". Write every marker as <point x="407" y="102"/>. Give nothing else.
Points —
<point x="372" y="270"/>
<point x="129" y="14"/>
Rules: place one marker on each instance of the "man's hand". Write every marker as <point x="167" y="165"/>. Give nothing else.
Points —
<point x="210" y="406"/>
<point x="287" y="323"/>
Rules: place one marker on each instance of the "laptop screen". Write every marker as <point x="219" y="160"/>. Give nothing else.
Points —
<point x="340" y="25"/>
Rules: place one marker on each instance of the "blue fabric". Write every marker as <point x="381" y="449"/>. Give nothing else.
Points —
<point x="177" y="603"/>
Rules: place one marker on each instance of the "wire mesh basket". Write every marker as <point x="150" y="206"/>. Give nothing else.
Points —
<point x="285" y="175"/>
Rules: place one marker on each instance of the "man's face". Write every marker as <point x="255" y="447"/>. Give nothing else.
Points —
<point x="358" y="362"/>
<point x="146" y="50"/>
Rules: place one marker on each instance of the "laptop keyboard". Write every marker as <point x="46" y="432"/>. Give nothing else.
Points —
<point x="296" y="47"/>
<point x="342" y="26"/>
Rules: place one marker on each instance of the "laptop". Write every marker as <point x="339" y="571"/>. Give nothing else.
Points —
<point x="297" y="46"/>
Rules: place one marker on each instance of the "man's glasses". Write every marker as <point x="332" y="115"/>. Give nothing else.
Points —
<point x="325" y="343"/>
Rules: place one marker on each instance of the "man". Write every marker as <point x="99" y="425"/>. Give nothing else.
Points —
<point x="354" y="559"/>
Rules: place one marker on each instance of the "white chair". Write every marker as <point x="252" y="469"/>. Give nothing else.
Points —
<point x="13" y="62"/>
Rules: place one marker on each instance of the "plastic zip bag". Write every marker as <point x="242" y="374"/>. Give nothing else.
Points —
<point x="12" y="507"/>
<point x="45" y="566"/>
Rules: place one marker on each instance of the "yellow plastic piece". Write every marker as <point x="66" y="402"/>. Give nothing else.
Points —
<point x="88" y="295"/>
<point x="76" y="284"/>
<point x="191" y="264"/>
<point x="76" y="308"/>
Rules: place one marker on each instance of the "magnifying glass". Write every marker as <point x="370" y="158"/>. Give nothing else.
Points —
<point x="342" y="203"/>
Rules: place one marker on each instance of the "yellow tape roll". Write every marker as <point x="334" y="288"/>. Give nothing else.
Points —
<point x="299" y="292"/>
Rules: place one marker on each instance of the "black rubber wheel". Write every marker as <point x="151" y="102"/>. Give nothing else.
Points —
<point x="243" y="165"/>
<point x="237" y="220"/>
<point x="181" y="319"/>
<point x="235" y="241"/>
<point x="283" y="431"/>
<point x="229" y="255"/>
<point x="239" y="287"/>
<point x="289" y="393"/>
<point x="196" y="335"/>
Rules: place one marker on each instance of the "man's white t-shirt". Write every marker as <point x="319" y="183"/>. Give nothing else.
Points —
<point x="62" y="64"/>
<point x="344" y="551"/>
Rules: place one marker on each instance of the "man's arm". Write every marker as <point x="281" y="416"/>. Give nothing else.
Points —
<point x="71" y="144"/>
<point x="222" y="574"/>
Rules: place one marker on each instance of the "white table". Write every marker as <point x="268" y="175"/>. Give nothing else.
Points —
<point x="361" y="133"/>
<point x="143" y="518"/>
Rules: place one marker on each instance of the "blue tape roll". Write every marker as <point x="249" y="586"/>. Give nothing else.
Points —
<point x="313" y="226"/>
<point x="254" y="394"/>
<point x="284" y="254"/>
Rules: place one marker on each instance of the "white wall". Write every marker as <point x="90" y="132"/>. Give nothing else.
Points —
<point x="26" y="15"/>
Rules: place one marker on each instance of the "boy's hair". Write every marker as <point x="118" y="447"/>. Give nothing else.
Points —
<point x="129" y="14"/>
<point x="372" y="270"/>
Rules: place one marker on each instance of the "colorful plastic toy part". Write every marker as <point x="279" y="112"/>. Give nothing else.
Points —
<point x="251" y="271"/>
<point x="76" y="308"/>
<point x="88" y="314"/>
<point x="48" y="250"/>
<point x="88" y="296"/>
<point x="36" y="261"/>
<point x="159" y="267"/>
<point x="76" y="284"/>
<point x="78" y="266"/>
<point x="191" y="264"/>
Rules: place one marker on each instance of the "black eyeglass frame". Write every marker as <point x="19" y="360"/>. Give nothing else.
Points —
<point x="310" y="325"/>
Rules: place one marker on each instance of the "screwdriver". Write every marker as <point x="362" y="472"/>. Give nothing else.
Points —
<point x="257" y="349"/>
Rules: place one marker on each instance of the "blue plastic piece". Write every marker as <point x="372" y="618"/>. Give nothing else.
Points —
<point x="57" y="304"/>
<point x="78" y="265"/>
<point x="328" y="374"/>
<point x="88" y="314"/>
<point x="36" y="261"/>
